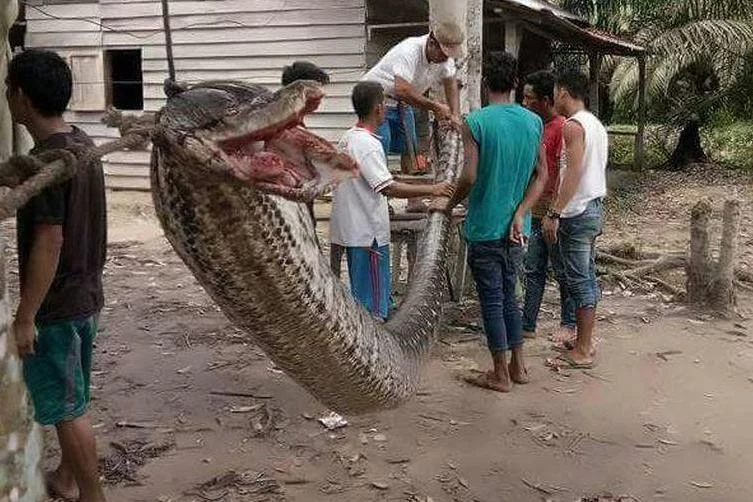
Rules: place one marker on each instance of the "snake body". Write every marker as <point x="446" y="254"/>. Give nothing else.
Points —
<point x="257" y="257"/>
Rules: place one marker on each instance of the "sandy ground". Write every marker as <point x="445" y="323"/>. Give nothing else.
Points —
<point x="664" y="416"/>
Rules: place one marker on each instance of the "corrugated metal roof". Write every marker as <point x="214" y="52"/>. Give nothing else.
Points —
<point x="558" y="24"/>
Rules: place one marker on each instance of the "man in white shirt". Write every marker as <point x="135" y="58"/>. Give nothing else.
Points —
<point x="360" y="219"/>
<point x="406" y="72"/>
<point x="576" y="217"/>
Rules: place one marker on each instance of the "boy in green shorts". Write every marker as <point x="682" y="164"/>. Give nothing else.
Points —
<point x="61" y="254"/>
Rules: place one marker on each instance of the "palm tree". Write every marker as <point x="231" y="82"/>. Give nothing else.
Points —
<point x="699" y="50"/>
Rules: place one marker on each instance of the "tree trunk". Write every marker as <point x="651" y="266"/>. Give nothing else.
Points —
<point x="722" y="294"/>
<point x="699" y="267"/>
<point x="712" y="285"/>
<point x="689" y="149"/>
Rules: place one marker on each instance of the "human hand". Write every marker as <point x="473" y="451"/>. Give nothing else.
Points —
<point x="439" y="205"/>
<point x="443" y="189"/>
<point x="550" y="226"/>
<point x="516" y="231"/>
<point x="442" y="112"/>
<point x="24" y="333"/>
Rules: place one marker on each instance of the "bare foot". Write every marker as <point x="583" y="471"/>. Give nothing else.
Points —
<point x="563" y="335"/>
<point x="489" y="380"/>
<point x="529" y="335"/>
<point x="57" y="489"/>
<point x="518" y="372"/>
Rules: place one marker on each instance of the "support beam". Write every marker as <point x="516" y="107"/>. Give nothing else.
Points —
<point x="594" y="66"/>
<point x="640" y="136"/>
<point x="513" y="39"/>
<point x="474" y="43"/>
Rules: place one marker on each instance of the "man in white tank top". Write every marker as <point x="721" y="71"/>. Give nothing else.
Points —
<point x="575" y="218"/>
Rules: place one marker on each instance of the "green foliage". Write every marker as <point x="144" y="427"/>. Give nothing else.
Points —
<point x="730" y="145"/>
<point x="727" y="142"/>
<point x="701" y="55"/>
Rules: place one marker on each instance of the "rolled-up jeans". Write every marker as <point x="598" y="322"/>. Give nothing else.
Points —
<point x="495" y="265"/>
<point x="536" y="265"/>
<point x="577" y="246"/>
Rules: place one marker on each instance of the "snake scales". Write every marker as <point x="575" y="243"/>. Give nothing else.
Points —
<point x="255" y="253"/>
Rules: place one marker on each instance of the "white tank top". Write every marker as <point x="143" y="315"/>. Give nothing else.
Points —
<point x="593" y="184"/>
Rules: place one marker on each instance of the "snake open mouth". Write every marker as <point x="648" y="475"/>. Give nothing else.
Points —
<point x="269" y="148"/>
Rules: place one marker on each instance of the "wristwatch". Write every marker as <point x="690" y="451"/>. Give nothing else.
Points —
<point x="552" y="214"/>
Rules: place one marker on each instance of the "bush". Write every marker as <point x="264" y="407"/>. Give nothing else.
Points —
<point x="622" y="146"/>
<point x="730" y="145"/>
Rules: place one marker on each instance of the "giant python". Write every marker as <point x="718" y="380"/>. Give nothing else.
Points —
<point x="229" y="167"/>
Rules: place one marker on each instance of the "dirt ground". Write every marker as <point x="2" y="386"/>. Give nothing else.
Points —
<point x="666" y="414"/>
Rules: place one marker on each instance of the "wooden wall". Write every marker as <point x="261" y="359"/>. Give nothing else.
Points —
<point x="239" y="39"/>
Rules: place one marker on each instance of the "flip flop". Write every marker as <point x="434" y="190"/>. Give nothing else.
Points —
<point x="572" y="364"/>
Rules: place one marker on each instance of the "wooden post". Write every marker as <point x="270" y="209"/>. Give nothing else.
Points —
<point x="699" y="267"/>
<point x="513" y="38"/>
<point x="639" y="155"/>
<point x="20" y="438"/>
<point x="594" y="67"/>
<point x="168" y="40"/>
<point x="474" y="44"/>
<point x="723" y="287"/>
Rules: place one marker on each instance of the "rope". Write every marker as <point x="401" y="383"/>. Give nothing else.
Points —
<point x="29" y="175"/>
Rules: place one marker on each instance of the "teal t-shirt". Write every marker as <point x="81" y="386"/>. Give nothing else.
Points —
<point x="508" y="138"/>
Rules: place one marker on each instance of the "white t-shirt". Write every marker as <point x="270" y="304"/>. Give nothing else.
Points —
<point x="408" y="60"/>
<point x="593" y="184"/>
<point x="359" y="212"/>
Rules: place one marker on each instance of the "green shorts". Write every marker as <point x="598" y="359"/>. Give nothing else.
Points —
<point x="58" y="373"/>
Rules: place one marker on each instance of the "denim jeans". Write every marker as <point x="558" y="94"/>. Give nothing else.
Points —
<point x="495" y="265"/>
<point x="536" y="264"/>
<point x="393" y="133"/>
<point x="577" y="245"/>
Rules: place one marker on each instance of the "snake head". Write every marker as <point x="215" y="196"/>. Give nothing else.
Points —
<point x="256" y="136"/>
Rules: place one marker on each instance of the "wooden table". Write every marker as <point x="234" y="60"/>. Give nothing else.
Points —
<point x="406" y="228"/>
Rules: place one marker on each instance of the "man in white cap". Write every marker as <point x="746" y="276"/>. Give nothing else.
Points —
<point x="406" y="72"/>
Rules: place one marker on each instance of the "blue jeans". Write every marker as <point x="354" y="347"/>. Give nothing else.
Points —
<point x="370" y="278"/>
<point x="577" y="245"/>
<point x="537" y="259"/>
<point x="495" y="265"/>
<point x="392" y="132"/>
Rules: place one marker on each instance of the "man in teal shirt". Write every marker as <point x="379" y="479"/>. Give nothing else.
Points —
<point x="504" y="174"/>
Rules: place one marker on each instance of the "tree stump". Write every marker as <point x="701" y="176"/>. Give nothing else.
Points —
<point x="699" y="267"/>
<point x="710" y="284"/>
<point x="722" y="290"/>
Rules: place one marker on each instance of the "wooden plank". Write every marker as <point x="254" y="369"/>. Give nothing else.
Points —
<point x="330" y="62"/>
<point x="266" y="76"/>
<point x="126" y="171"/>
<point x="69" y="10"/>
<point x="217" y="36"/>
<point x="336" y="104"/>
<point x="136" y="183"/>
<point x="76" y="39"/>
<point x="292" y="49"/>
<point x="61" y="26"/>
<point x="129" y="157"/>
<point x="83" y="117"/>
<point x="155" y="89"/>
<point x="249" y="19"/>
<point x="133" y="10"/>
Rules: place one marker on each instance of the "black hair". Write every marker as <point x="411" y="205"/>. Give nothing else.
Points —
<point x="575" y="82"/>
<point x="304" y="70"/>
<point x="45" y="78"/>
<point x="542" y="83"/>
<point x="366" y="96"/>
<point x="500" y="71"/>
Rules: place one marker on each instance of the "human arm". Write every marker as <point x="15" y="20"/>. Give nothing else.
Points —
<point x="401" y="190"/>
<point x="406" y="92"/>
<point x="40" y="272"/>
<point x="467" y="176"/>
<point x="452" y="93"/>
<point x="535" y="189"/>
<point x="574" y="137"/>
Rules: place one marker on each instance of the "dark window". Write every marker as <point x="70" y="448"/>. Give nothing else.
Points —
<point x="125" y="90"/>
